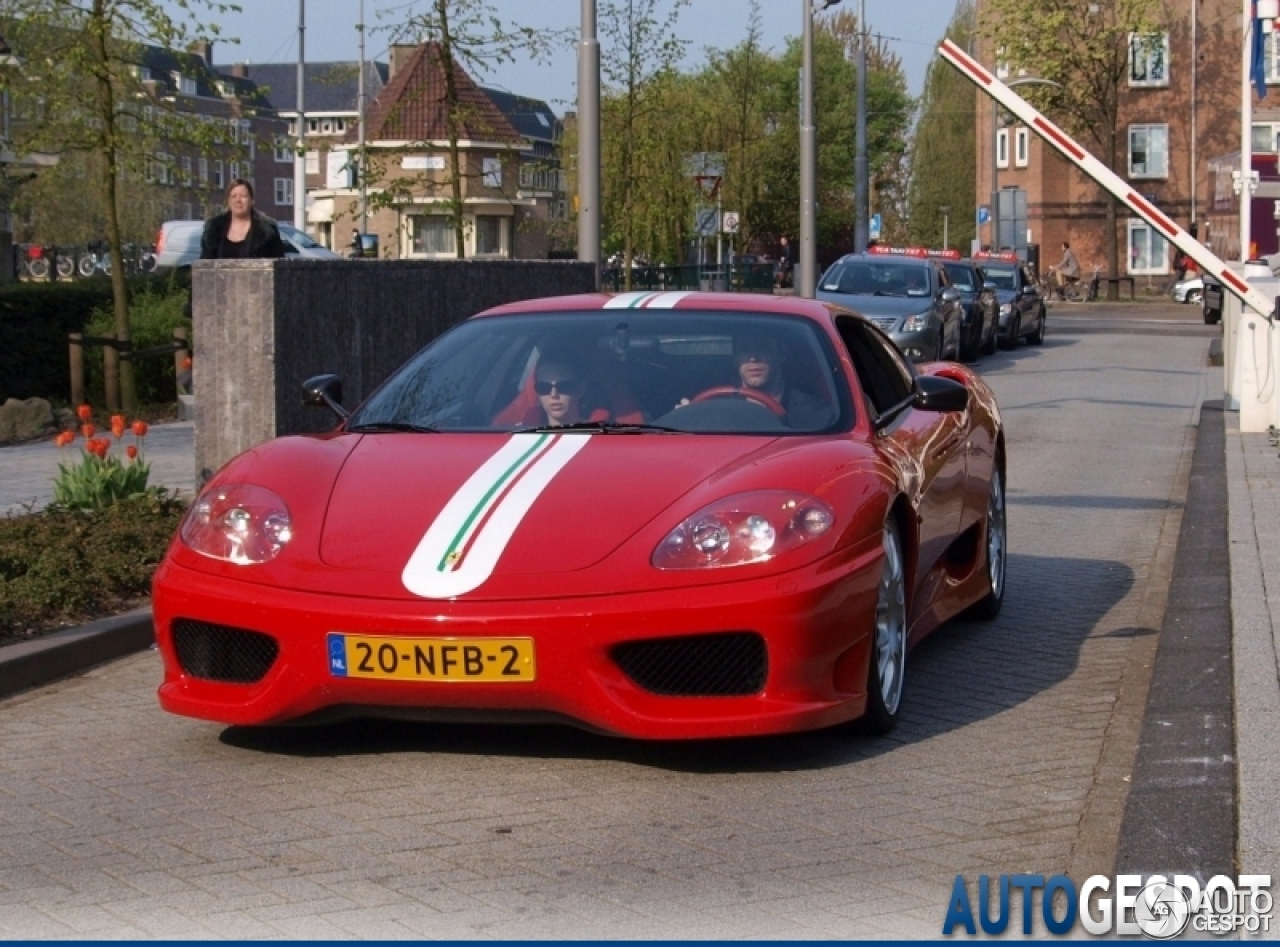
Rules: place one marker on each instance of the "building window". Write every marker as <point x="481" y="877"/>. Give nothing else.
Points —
<point x="1002" y="148"/>
<point x="283" y="150"/>
<point x="186" y="85"/>
<point x="284" y="192"/>
<point x="218" y="181"/>
<point x="1148" y="59"/>
<point x="202" y="170"/>
<point x="1264" y="138"/>
<point x="186" y="171"/>
<point x="491" y="172"/>
<point x="1021" y="147"/>
<point x="1148" y="151"/>
<point x="432" y="235"/>
<point x="1148" y="251"/>
<point x="313" y="162"/>
<point x="246" y="137"/>
<point x="490" y="235"/>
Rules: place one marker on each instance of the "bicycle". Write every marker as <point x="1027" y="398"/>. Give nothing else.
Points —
<point x="1091" y="295"/>
<point x="95" y="259"/>
<point x="64" y="262"/>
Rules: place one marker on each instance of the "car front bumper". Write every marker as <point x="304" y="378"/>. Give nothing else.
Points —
<point x="919" y="346"/>
<point x="816" y="624"/>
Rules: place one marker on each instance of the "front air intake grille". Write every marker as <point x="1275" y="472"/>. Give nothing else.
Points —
<point x="732" y="664"/>
<point x="883" y="322"/>
<point x="222" y="653"/>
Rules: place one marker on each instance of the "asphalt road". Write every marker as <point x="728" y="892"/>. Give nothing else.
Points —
<point x="1015" y="754"/>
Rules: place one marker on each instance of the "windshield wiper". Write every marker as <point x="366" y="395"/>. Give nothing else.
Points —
<point x="606" y="427"/>
<point x="390" y="427"/>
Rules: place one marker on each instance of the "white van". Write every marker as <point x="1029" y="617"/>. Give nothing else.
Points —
<point x="178" y="245"/>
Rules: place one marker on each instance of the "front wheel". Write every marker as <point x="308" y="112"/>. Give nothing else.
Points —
<point x="86" y="266"/>
<point x="66" y="267"/>
<point x="988" y="606"/>
<point x="1037" y="337"/>
<point x="1011" y="341"/>
<point x="39" y="268"/>
<point x="887" y="667"/>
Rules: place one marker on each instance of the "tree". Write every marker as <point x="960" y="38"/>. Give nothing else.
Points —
<point x="80" y="74"/>
<point x="1083" y="47"/>
<point x="943" y="153"/>
<point x="640" y="51"/>
<point x="466" y="36"/>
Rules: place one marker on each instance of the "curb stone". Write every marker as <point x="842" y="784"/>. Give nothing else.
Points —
<point x="53" y="656"/>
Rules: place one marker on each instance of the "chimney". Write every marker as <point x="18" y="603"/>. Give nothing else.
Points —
<point x="239" y="70"/>
<point x="400" y="53"/>
<point x="202" y="48"/>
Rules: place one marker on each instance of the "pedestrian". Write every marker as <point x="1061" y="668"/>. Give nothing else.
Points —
<point x="356" y="246"/>
<point x="240" y="232"/>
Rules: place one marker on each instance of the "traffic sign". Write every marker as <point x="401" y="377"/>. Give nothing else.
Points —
<point x="707" y="222"/>
<point x="873" y="231"/>
<point x="732" y="220"/>
<point x="984" y="214"/>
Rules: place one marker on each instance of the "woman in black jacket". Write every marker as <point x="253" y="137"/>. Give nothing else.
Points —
<point x="240" y="232"/>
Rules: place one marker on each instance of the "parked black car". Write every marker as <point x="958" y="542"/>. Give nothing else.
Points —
<point x="981" y="310"/>
<point x="906" y="292"/>
<point x="1022" y="308"/>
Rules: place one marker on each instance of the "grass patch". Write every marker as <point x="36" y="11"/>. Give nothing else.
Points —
<point x="60" y="567"/>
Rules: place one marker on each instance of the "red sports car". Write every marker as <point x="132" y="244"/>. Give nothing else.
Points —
<point x="662" y="515"/>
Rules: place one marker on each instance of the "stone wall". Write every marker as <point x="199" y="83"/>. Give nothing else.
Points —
<point x="261" y="327"/>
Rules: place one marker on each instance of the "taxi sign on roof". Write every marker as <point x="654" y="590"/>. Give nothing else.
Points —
<point x="920" y="252"/>
<point x="1006" y="256"/>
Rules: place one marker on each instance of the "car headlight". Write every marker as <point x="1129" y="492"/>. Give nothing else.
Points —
<point x="1006" y="308"/>
<point x="744" y="528"/>
<point x="238" y="522"/>
<point x="915" y="323"/>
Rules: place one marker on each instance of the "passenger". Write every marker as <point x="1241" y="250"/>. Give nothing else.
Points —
<point x="559" y="387"/>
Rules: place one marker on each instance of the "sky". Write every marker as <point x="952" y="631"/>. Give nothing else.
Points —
<point x="268" y="32"/>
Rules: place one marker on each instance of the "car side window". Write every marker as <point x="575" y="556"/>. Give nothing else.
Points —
<point x="883" y="372"/>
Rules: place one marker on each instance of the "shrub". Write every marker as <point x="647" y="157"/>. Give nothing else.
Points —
<point x="60" y="567"/>
<point x="153" y="315"/>
<point x="35" y="319"/>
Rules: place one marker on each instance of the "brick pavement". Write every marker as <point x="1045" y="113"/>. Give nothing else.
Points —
<point x="117" y="820"/>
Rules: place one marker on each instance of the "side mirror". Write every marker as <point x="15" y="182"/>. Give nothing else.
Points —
<point x="936" y="393"/>
<point x="325" y="391"/>
<point x="951" y="295"/>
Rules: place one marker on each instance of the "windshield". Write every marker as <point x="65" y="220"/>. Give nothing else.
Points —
<point x="297" y="237"/>
<point x="1001" y="277"/>
<point x="961" y="277"/>
<point x="864" y="278"/>
<point x="619" y="372"/>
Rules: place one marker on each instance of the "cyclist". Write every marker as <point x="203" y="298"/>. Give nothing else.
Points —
<point x="1068" y="270"/>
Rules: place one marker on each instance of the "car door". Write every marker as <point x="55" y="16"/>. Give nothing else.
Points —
<point x="1028" y="299"/>
<point x="949" y="303"/>
<point x="928" y="446"/>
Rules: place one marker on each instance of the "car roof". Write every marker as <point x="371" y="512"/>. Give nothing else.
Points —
<point x="680" y="300"/>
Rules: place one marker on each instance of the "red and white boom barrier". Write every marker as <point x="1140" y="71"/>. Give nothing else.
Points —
<point x="1071" y="150"/>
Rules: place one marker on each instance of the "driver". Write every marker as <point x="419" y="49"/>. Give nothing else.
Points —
<point x="759" y="360"/>
<point x="559" y="388"/>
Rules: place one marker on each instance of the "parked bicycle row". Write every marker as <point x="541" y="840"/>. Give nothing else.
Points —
<point x="42" y="262"/>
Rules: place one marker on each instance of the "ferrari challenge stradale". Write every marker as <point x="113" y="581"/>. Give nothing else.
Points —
<point x="660" y="515"/>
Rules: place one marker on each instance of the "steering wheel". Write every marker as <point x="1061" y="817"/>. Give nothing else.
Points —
<point x="751" y="394"/>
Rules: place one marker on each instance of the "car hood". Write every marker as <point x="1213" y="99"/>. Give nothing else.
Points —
<point x="490" y="516"/>
<point x="880" y="305"/>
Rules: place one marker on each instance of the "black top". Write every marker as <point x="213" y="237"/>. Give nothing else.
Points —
<point x="262" y="242"/>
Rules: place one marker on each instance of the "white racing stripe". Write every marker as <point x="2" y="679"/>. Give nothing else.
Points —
<point x="645" y="300"/>
<point x="462" y="546"/>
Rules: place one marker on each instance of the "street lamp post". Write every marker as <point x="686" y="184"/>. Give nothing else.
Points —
<point x="589" y="140"/>
<point x="946" y="225"/>
<point x="808" y="154"/>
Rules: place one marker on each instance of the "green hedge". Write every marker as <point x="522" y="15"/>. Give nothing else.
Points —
<point x="35" y="319"/>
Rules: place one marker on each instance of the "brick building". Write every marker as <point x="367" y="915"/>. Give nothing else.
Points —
<point x="1179" y="118"/>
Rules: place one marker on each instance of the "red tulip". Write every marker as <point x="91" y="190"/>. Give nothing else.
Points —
<point x="84" y="412"/>
<point x="139" y="428"/>
<point x="65" y="438"/>
<point x="117" y="425"/>
<point x="131" y="451"/>
<point x="88" y="430"/>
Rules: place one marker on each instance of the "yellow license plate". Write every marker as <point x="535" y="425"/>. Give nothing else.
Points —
<point x="488" y="660"/>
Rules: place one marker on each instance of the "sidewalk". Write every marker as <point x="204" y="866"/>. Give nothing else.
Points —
<point x="27" y="471"/>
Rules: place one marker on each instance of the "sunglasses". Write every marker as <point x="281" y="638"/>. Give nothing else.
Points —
<point x="565" y="386"/>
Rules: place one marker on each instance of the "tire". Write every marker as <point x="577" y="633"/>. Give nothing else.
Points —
<point x="66" y="267"/>
<point x="886" y="668"/>
<point x="1037" y="337"/>
<point x="995" y="561"/>
<point x="86" y="265"/>
<point x="38" y="268"/>
<point x="106" y="265"/>
<point x="1015" y="331"/>
<point x="1193" y="297"/>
